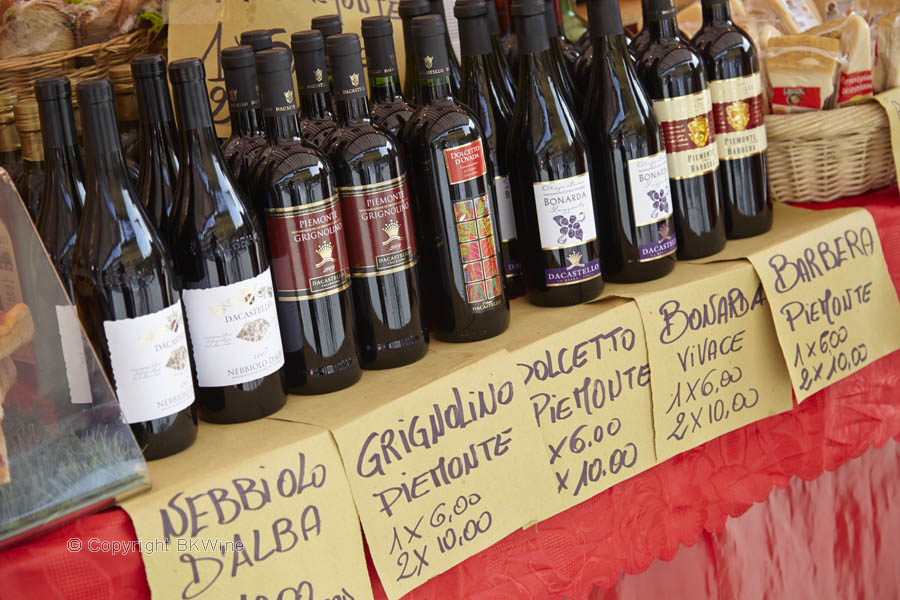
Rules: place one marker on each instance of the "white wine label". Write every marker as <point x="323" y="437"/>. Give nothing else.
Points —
<point x="651" y="196"/>
<point x="150" y="365"/>
<point x="73" y="354"/>
<point x="687" y="127"/>
<point x="565" y="211"/>
<point x="505" y="206"/>
<point x="737" y="110"/>
<point x="234" y="331"/>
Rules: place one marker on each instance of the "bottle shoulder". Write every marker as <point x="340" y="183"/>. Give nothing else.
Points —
<point x="719" y="43"/>
<point x="441" y="123"/>
<point x="671" y="68"/>
<point x="357" y="142"/>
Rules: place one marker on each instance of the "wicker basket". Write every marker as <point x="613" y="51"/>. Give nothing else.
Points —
<point x="823" y="156"/>
<point x="19" y="74"/>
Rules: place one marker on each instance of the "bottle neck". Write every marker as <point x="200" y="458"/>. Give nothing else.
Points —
<point x="157" y="119"/>
<point x="435" y="90"/>
<point x="532" y="35"/>
<point x="385" y="88"/>
<point x="474" y="39"/>
<point x="281" y="127"/>
<point x="605" y="19"/>
<point x="246" y="123"/>
<point x="716" y="13"/>
<point x="662" y="28"/>
<point x="107" y="174"/>
<point x="353" y="111"/>
<point x="32" y="146"/>
<point x="316" y="105"/>
<point x="195" y="115"/>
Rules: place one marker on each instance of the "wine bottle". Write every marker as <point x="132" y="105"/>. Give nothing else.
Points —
<point x="10" y="144"/>
<point x="390" y="109"/>
<point x="558" y="63"/>
<point x="551" y="183"/>
<point x="639" y="43"/>
<point x="436" y="7"/>
<point x="736" y="88"/>
<point x="485" y="97"/>
<point x="637" y="226"/>
<point x="378" y="219"/>
<point x="221" y="265"/>
<point x="408" y="10"/>
<point x="675" y="80"/>
<point x="28" y="125"/>
<point x="327" y="25"/>
<point x="559" y="43"/>
<point x="127" y="110"/>
<point x="64" y="190"/>
<point x="317" y="121"/>
<point x="582" y="78"/>
<point x="257" y="39"/>
<point x="160" y="144"/>
<point x="247" y="136"/>
<point x="511" y="43"/>
<point x="459" y="231"/>
<point x="125" y="291"/>
<point x="499" y="68"/>
<point x="308" y="253"/>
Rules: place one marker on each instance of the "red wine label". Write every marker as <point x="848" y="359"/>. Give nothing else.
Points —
<point x="465" y="162"/>
<point x="478" y="252"/>
<point x="855" y="84"/>
<point x="738" y="113"/>
<point x="150" y="364"/>
<point x="379" y="227"/>
<point x="689" y="133"/>
<point x="309" y="256"/>
<point x="651" y="200"/>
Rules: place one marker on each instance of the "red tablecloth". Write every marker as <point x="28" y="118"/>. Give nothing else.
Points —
<point x="683" y="501"/>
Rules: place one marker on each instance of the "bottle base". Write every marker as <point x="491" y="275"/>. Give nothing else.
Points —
<point x="394" y="354"/>
<point x="178" y="436"/>
<point x="639" y="272"/>
<point x="250" y="401"/>
<point x="701" y="252"/>
<point x="568" y="295"/>
<point x="469" y="335"/>
<point x="316" y="383"/>
<point x="750" y="227"/>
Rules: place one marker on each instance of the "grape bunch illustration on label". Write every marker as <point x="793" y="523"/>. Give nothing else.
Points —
<point x="660" y="202"/>
<point x="570" y="227"/>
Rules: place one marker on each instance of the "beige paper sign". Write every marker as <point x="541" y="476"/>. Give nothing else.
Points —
<point x="203" y="29"/>
<point x="445" y="472"/>
<point x="589" y="389"/>
<point x="890" y="101"/>
<point x="713" y="353"/>
<point x="259" y="511"/>
<point x="832" y="298"/>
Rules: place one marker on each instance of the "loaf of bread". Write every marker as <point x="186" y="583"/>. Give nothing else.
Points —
<point x="856" y="73"/>
<point x="36" y="26"/>
<point x="886" y="75"/>
<point x="802" y="71"/>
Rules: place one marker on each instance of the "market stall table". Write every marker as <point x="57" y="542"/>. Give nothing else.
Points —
<point x="685" y="501"/>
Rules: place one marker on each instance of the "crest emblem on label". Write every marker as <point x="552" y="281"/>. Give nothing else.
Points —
<point x="289" y="96"/>
<point x="575" y="259"/>
<point x="392" y="231"/>
<point x="325" y="252"/>
<point x="232" y="95"/>
<point x="698" y="130"/>
<point x="738" y="115"/>
<point x="318" y="75"/>
<point x="354" y="79"/>
<point x="429" y="60"/>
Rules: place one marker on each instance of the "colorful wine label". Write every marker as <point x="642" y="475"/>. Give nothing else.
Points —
<point x="465" y="162"/>
<point x="309" y="255"/>
<point x="478" y="252"/>
<point x="150" y="364"/>
<point x="565" y="215"/>
<point x="379" y="228"/>
<point x="651" y="200"/>
<point x="738" y="112"/>
<point x="689" y="134"/>
<point x="234" y="331"/>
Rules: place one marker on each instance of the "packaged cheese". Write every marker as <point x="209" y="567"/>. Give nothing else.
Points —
<point x="802" y="71"/>
<point x="856" y="74"/>
<point x="887" y="53"/>
<point x="835" y="9"/>
<point x="795" y="15"/>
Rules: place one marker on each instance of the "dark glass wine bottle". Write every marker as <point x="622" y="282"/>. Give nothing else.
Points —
<point x="247" y="136"/>
<point x="390" y="110"/>
<point x="736" y="88"/>
<point x="456" y="209"/>
<point x="484" y="96"/>
<point x="378" y="220"/>
<point x="551" y="183"/>
<point x="257" y="39"/>
<point x="639" y="43"/>
<point x="64" y="190"/>
<point x="561" y="46"/>
<point x="160" y="144"/>
<point x="408" y="10"/>
<point x="511" y="43"/>
<point x="125" y="291"/>
<point x="317" y="121"/>
<point x="558" y="63"/>
<point x="308" y="253"/>
<point x="675" y="81"/>
<point x="582" y="79"/>
<point x="437" y="8"/>
<point x="222" y="268"/>
<point x="630" y="166"/>
<point x="10" y="144"/>
<point x="127" y="111"/>
<point x="28" y="125"/>
<point x="327" y="25"/>
<point x="499" y="68"/>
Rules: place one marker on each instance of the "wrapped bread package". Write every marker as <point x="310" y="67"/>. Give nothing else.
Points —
<point x="803" y="72"/>
<point x="887" y="53"/>
<point x="795" y="15"/>
<point x="856" y="74"/>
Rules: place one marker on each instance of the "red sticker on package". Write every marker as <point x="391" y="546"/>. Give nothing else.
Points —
<point x="805" y="97"/>
<point x="466" y="162"/>
<point x="855" y="84"/>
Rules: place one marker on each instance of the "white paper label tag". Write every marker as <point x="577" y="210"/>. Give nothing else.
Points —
<point x="651" y="196"/>
<point x="234" y="331"/>
<point x="505" y="206"/>
<point x="73" y="354"/>
<point x="150" y="365"/>
<point x="565" y="211"/>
